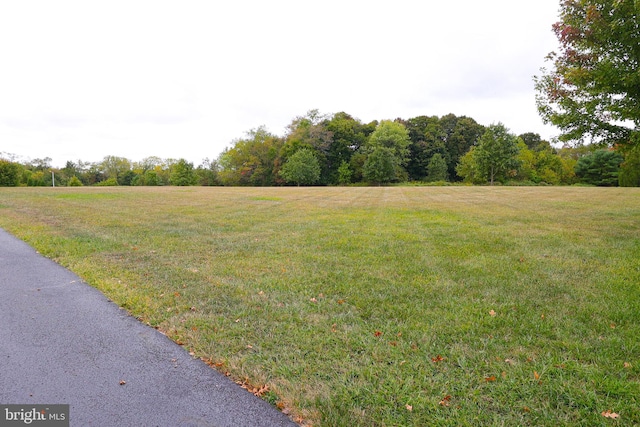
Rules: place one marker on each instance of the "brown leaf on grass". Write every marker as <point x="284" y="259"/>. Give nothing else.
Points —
<point x="609" y="414"/>
<point x="409" y="408"/>
<point x="445" y="400"/>
<point x="492" y="313"/>
<point x="313" y="300"/>
<point x="340" y="301"/>
<point x="377" y="333"/>
<point x="627" y="365"/>
<point x="536" y="375"/>
<point x="490" y="379"/>
<point x="437" y="359"/>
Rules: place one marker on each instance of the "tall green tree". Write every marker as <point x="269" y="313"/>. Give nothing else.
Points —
<point x="115" y="167"/>
<point x="394" y="138"/>
<point x="592" y="91"/>
<point x="381" y="165"/>
<point x="460" y="134"/>
<point x="182" y="173"/>
<point x="252" y="160"/>
<point x="468" y="168"/>
<point x="427" y="139"/>
<point x="301" y="168"/>
<point x="496" y="153"/>
<point x="437" y="168"/>
<point x="311" y="131"/>
<point x="348" y="136"/>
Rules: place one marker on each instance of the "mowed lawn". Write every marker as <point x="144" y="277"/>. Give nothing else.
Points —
<point x="386" y="306"/>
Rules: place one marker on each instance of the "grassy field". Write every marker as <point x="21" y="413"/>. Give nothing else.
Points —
<point x="388" y="306"/>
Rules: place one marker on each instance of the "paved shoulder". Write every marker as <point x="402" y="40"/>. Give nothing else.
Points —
<point x="63" y="342"/>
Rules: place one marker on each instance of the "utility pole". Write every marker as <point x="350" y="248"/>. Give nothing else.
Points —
<point x="53" y="179"/>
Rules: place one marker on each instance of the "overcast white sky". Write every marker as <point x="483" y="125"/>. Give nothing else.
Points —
<point x="135" y="78"/>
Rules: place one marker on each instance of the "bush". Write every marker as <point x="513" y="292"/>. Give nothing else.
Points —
<point x="111" y="182"/>
<point x="74" y="182"/>
<point x="9" y="174"/>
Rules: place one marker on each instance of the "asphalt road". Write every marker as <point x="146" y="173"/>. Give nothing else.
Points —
<point x="63" y="342"/>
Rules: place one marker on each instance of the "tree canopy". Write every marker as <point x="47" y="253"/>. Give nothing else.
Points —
<point x="592" y="91"/>
<point x="301" y="168"/>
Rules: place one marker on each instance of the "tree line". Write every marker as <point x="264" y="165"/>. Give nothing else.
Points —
<point x="338" y="149"/>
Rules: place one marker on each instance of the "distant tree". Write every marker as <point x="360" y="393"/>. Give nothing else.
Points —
<point x="630" y="169"/>
<point x="427" y="138"/>
<point x="127" y="178"/>
<point x="381" y="165"/>
<point x="460" y="134"/>
<point x="252" y="160"/>
<point x="394" y="136"/>
<point x="344" y="173"/>
<point x="115" y="167"/>
<point x="348" y="135"/>
<point x="40" y="164"/>
<point x="534" y="142"/>
<point x="182" y="173"/>
<point x="207" y="173"/>
<point x="301" y="168"/>
<point x="74" y="182"/>
<point x="592" y="91"/>
<point x="150" y="178"/>
<point x="437" y="168"/>
<point x="599" y="168"/>
<point x="9" y="174"/>
<point x="469" y="170"/>
<point x="496" y="153"/>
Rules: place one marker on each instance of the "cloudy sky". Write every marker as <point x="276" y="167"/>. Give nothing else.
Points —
<point x="183" y="79"/>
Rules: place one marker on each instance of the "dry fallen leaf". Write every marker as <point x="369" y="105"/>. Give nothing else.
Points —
<point x="492" y="313"/>
<point x="627" y="365"/>
<point x="409" y="408"/>
<point x="122" y="382"/>
<point x="445" y="400"/>
<point x="536" y="375"/>
<point x="609" y="414"/>
<point x="437" y="359"/>
<point x="377" y="333"/>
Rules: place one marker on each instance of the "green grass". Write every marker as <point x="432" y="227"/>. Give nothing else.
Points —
<point x="473" y="305"/>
